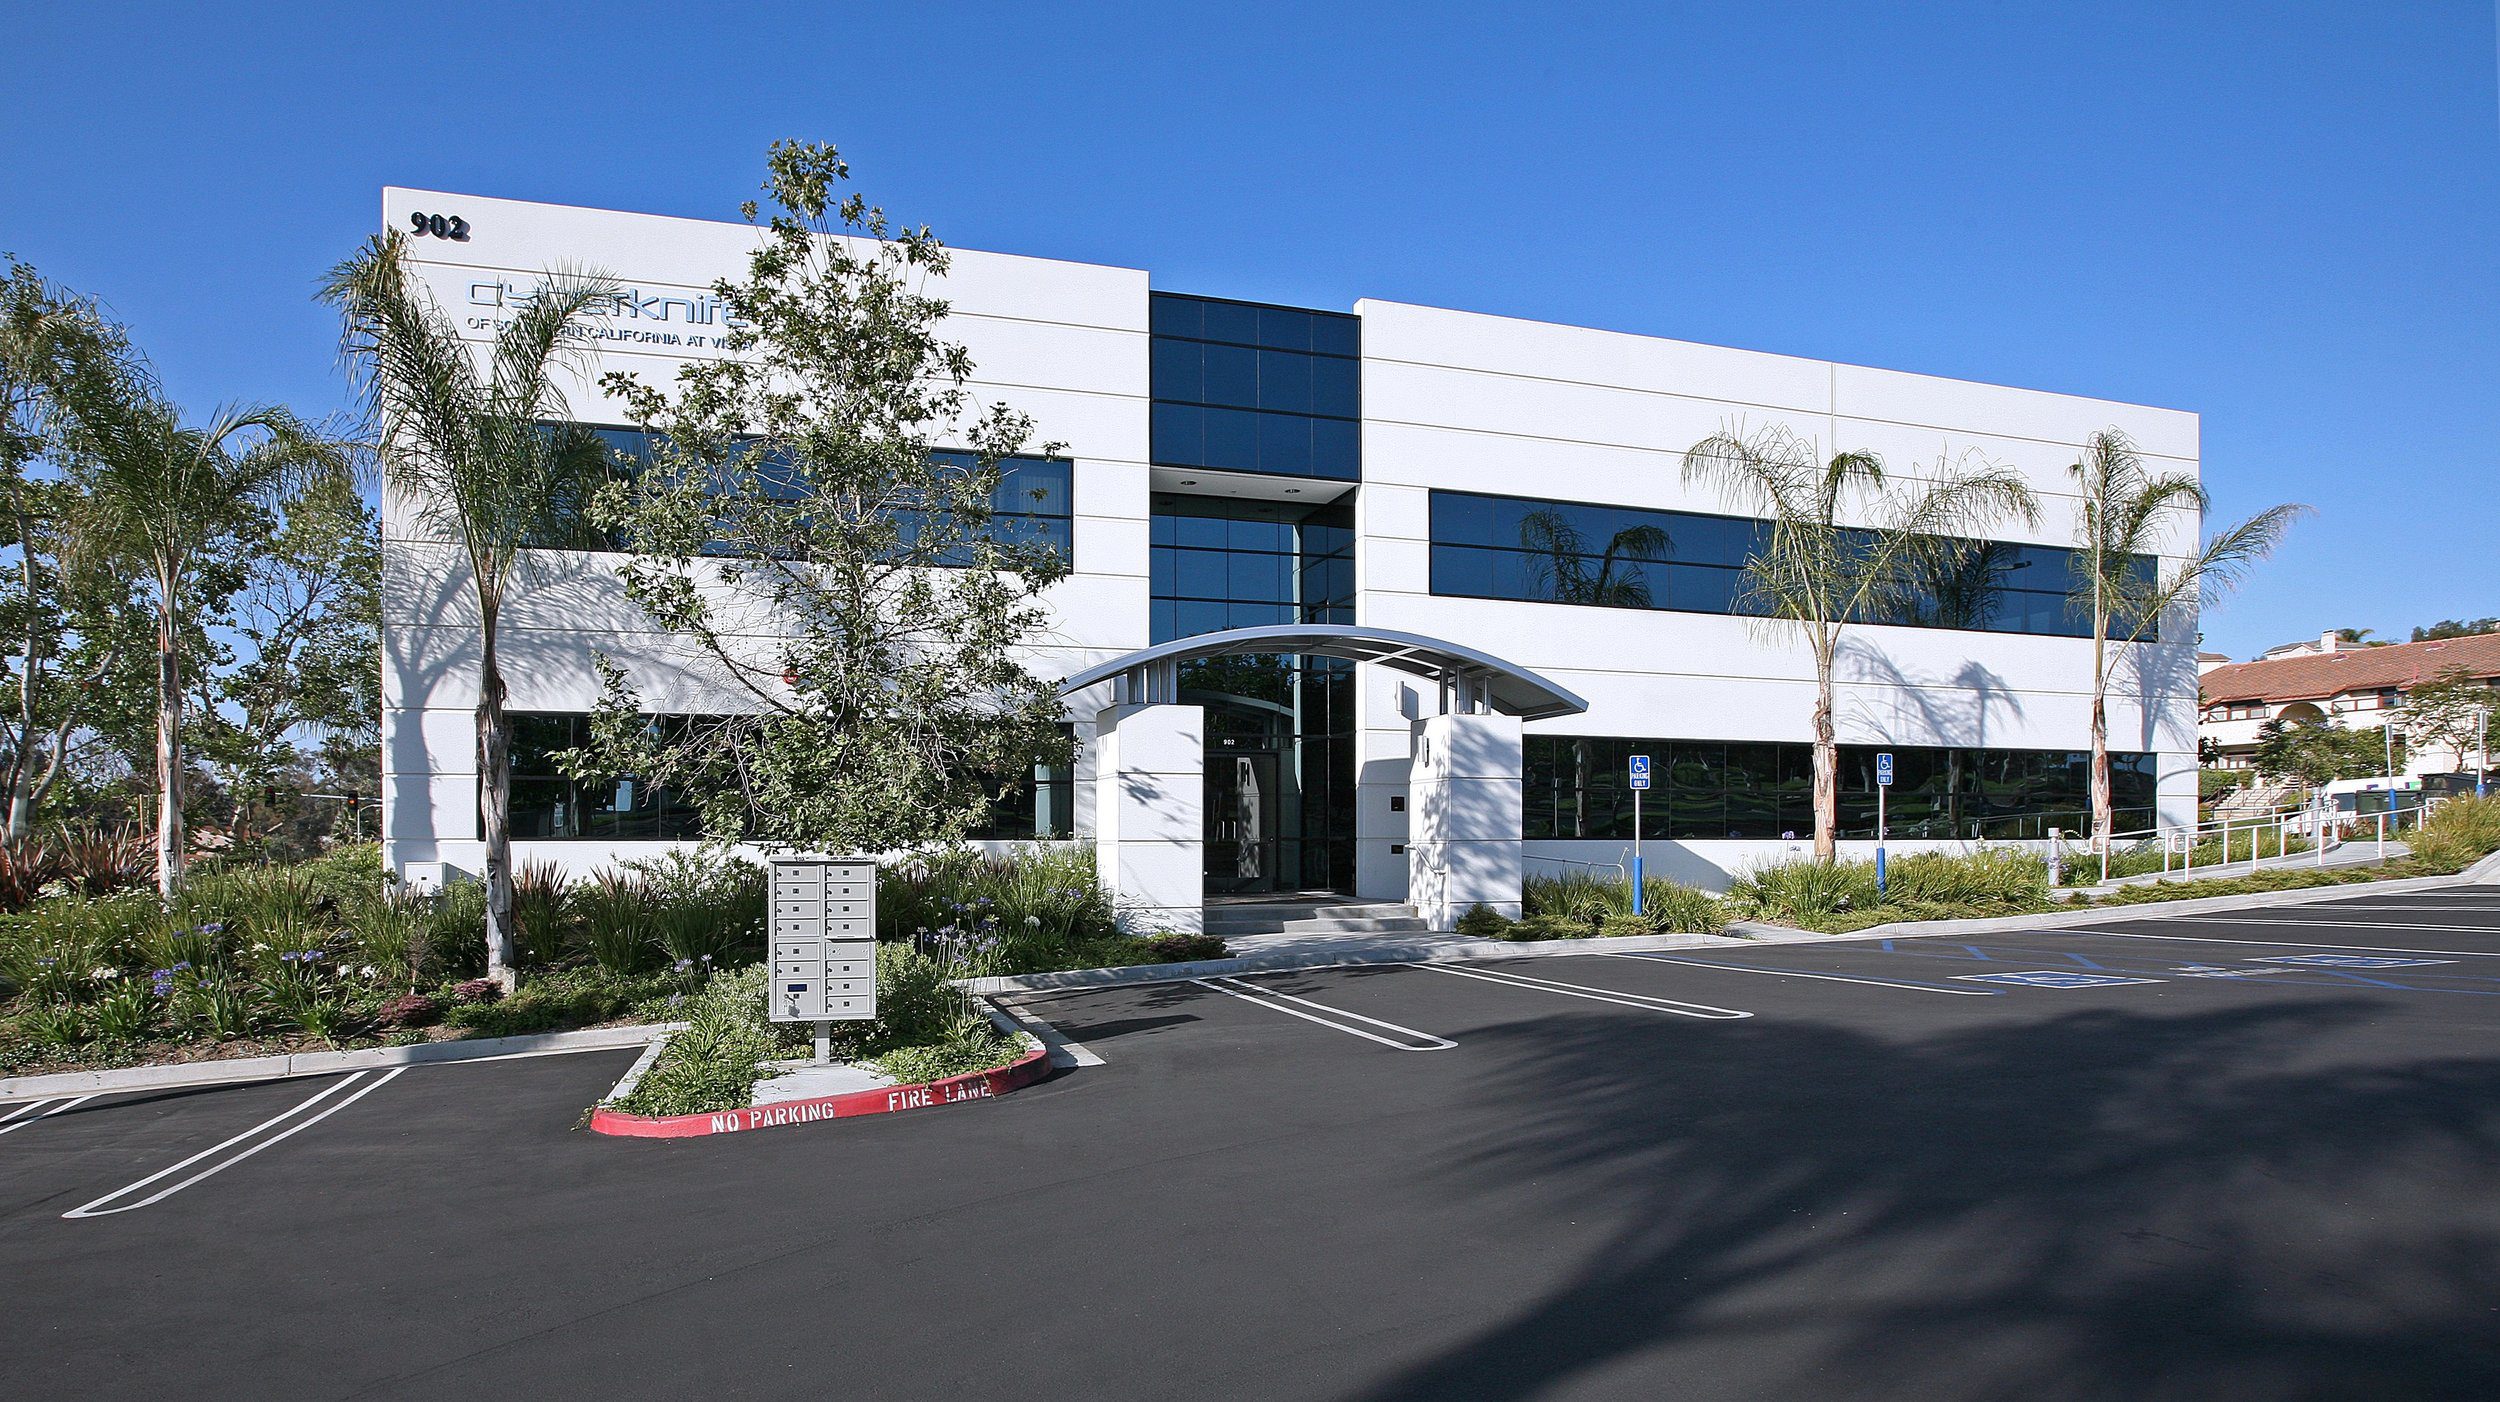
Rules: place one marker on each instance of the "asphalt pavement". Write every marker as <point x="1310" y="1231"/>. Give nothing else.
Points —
<point x="2248" y="1155"/>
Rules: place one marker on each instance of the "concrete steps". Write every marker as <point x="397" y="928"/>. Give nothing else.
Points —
<point x="1313" y="918"/>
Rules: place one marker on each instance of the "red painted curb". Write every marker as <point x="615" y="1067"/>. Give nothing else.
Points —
<point x="972" y="1085"/>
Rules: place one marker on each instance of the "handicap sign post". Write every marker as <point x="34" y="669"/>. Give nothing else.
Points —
<point x="1640" y="785"/>
<point x="1883" y="782"/>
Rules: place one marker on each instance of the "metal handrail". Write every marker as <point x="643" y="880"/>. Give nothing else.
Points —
<point x="1618" y="868"/>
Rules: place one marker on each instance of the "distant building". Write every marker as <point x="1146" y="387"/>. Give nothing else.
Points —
<point x="2352" y="684"/>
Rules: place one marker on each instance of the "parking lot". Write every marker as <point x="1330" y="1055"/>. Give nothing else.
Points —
<point x="2246" y="1155"/>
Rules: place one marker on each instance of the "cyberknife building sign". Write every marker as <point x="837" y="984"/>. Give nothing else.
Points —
<point x="1510" y="488"/>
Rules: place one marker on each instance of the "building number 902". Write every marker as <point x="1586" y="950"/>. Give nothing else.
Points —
<point x="441" y="226"/>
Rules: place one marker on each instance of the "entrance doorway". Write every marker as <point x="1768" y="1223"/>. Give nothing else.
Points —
<point x="1279" y="773"/>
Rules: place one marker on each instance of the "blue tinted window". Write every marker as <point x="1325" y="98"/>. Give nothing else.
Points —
<point x="1626" y="557"/>
<point x="1576" y="788"/>
<point x="1250" y="388"/>
<point x="1227" y="563"/>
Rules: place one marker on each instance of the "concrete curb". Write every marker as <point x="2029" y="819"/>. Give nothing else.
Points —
<point x="1438" y="952"/>
<point x="271" y="1068"/>
<point x="884" y="1100"/>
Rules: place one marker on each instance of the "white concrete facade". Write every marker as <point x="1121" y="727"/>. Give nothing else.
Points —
<point x="1450" y="399"/>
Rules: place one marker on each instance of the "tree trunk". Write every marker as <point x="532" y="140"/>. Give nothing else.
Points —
<point x="1826" y="775"/>
<point x="168" y="757"/>
<point x="494" y="771"/>
<point x="2102" y="818"/>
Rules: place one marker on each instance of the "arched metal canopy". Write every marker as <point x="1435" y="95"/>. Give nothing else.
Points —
<point x="1472" y="681"/>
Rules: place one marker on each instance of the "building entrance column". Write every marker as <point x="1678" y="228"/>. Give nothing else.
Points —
<point x="1149" y="815"/>
<point x="1465" y="797"/>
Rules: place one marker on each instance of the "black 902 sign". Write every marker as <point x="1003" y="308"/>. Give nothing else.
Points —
<point x="441" y="226"/>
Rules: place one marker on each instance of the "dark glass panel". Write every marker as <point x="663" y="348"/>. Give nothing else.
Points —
<point x="1232" y="376"/>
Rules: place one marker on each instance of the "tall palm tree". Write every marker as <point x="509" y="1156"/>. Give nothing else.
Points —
<point x="1817" y="573"/>
<point x="179" y="503"/>
<point x="2127" y="513"/>
<point x="465" y="442"/>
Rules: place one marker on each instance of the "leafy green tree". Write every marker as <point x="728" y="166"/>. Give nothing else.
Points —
<point x="67" y="608"/>
<point x="2455" y="711"/>
<point x="1844" y="546"/>
<point x="2127" y="512"/>
<point x="468" y="446"/>
<point x="2455" y="628"/>
<point x="2321" y="751"/>
<point x="184" y="506"/>
<point x="828" y="564"/>
<point x="308" y="621"/>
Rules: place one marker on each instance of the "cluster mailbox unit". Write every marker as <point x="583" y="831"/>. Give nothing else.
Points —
<point x="824" y="937"/>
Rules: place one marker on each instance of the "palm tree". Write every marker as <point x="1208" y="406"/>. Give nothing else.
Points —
<point x="2127" y="511"/>
<point x="468" y="446"/>
<point x="178" y="503"/>
<point x="1814" y="575"/>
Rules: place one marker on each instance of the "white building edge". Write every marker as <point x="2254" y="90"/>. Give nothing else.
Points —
<point x="1467" y="406"/>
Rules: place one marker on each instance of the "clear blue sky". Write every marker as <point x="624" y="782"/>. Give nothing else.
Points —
<point x="2283" y="216"/>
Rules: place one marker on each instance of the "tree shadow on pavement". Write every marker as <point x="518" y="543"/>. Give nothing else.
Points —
<point x="2105" y="1204"/>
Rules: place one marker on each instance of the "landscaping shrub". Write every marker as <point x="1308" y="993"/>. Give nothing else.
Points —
<point x="1922" y="886"/>
<point x="1674" y="908"/>
<point x="1186" y="949"/>
<point x="1485" y="923"/>
<point x="1574" y="894"/>
<point x="2462" y="832"/>
<point x="614" y="920"/>
<point x="1035" y="909"/>
<point x="408" y="1010"/>
<point x="1990" y="877"/>
<point x="577" y="997"/>
<point x="541" y="911"/>
<point x="925" y="1029"/>
<point x="1802" y="889"/>
<point x="472" y="992"/>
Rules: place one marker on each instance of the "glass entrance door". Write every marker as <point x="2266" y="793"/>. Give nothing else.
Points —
<point x="1241" y="827"/>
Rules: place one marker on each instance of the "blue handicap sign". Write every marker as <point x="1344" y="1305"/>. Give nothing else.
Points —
<point x="1640" y="771"/>
<point x="1883" y="768"/>
<point x="2053" y="978"/>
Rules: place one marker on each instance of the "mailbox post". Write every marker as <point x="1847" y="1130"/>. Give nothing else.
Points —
<point x="824" y="944"/>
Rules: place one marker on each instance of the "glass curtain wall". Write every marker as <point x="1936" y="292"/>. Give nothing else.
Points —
<point x="1280" y="729"/>
<point x="1577" y="787"/>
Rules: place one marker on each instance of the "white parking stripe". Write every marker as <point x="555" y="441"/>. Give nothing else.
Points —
<point x="19" y="1119"/>
<point x="2300" y="944"/>
<point x="98" y="1209"/>
<point x="1275" y="1002"/>
<point x="1581" y="990"/>
<point x="2331" y="924"/>
<point x="1798" y="973"/>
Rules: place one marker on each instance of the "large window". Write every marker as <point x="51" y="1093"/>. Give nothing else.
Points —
<point x="1577" y="787"/>
<point x="1252" y="388"/>
<point x="1225" y="562"/>
<point x="1032" y="503"/>
<point x="1493" y="547"/>
<point x="547" y="806"/>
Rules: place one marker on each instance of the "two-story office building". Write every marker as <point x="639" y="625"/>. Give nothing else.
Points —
<point x="1453" y="513"/>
